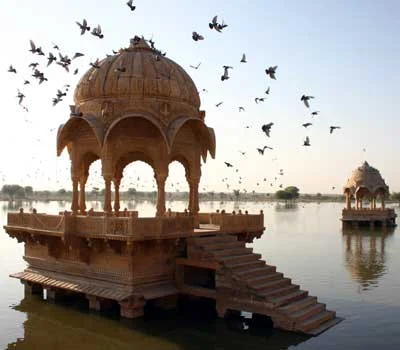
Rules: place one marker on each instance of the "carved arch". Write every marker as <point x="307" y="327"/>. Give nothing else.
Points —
<point x="67" y="132"/>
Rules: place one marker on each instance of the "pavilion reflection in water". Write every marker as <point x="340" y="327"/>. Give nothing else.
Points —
<point x="53" y="327"/>
<point x="365" y="256"/>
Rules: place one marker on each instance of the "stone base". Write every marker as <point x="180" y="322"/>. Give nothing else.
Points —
<point x="132" y="307"/>
<point x="33" y="288"/>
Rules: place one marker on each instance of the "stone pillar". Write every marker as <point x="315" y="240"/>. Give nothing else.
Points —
<point x="383" y="202"/>
<point x="107" y="195"/>
<point x="117" y="182"/>
<point x="94" y="302"/>
<point x="75" y="194"/>
<point x="371" y="200"/>
<point x="33" y="288"/>
<point x="194" y="195"/>
<point x="82" y="197"/>
<point x="348" y="201"/>
<point x="132" y="307"/>
<point x="160" y="179"/>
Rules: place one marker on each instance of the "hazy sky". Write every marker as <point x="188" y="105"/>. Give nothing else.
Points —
<point x="345" y="53"/>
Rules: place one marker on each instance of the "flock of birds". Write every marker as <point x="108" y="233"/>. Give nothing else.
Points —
<point x="65" y="62"/>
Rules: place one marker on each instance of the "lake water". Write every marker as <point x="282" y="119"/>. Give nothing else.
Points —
<point x="355" y="273"/>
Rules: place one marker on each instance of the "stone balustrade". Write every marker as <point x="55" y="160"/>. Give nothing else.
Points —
<point x="174" y="224"/>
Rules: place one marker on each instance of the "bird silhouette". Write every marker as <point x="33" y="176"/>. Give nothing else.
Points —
<point x="332" y="128"/>
<point x="305" y="100"/>
<point x="271" y="71"/>
<point x="307" y="141"/>
<point x="84" y="27"/>
<point x="97" y="32"/>
<point x="306" y="125"/>
<point x="267" y="128"/>
<point x="77" y="55"/>
<point x="219" y="104"/>
<point x="11" y="69"/>
<point x="229" y="165"/>
<point x="33" y="65"/>
<point x="20" y="97"/>
<point x="95" y="64"/>
<point x="243" y="153"/>
<point x="267" y="91"/>
<point x="26" y="82"/>
<point x="130" y="5"/>
<point x="215" y="25"/>
<point x="243" y="60"/>
<point x="259" y="99"/>
<point x="195" y="67"/>
<point x="261" y="150"/>
<point x="241" y="109"/>
<point x="226" y="72"/>
<point x="51" y="59"/>
<point x="196" y="36"/>
<point x="315" y="113"/>
<point x="76" y="71"/>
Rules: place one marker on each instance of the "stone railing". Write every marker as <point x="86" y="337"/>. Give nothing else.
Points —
<point x="367" y="213"/>
<point x="137" y="228"/>
<point x="55" y="223"/>
<point x="235" y="222"/>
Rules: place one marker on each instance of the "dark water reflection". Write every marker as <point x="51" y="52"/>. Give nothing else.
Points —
<point x="51" y="326"/>
<point x="365" y="255"/>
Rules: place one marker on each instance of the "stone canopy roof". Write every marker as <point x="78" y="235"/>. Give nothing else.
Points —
<point x="368" y="178"/>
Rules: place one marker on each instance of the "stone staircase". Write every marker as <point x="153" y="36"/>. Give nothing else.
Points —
<point x="257" y="287"/>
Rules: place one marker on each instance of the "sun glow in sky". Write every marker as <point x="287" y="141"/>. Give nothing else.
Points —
<point x="345" y="53"/>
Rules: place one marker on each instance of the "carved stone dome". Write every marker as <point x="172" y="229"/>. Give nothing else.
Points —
<point x="366" y="177"/>
<point x="137" y="76"/>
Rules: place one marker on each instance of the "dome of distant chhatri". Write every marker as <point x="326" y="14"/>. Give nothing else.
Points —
<point x="366" y="177"/>
<point x="137" y="78"/>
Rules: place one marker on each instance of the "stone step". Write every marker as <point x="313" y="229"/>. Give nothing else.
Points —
<point x="266" y="276"/>
<point x="232" y="252"/>
<point x="215" y="239"/>
<point x="298" y="305"/>
<point x="222" y="246"/>
<point x="289" y="298"/>
<point x="324" y="326"/>
<point x="268" y="294"/>
<point x="316" y="320"/>
<point x="308" y="312"/>
<point x="251" y="272"/>
<point x="242" y="266"/>
<point x="235" y="260"/>
<point x="269" y="286"/>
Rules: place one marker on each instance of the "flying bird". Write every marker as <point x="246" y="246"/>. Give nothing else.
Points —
<point x="241" y="109"/>
<point x="259" y="99"/>
<point x="219" y="104"/>
<point x="332" y="128"/>
<point x="243" y="153"/>
<point x="55" y="47"/>
<point x="261" y="150"/>
<point x="26" y="82"/>
<point x="267" y="128"/>
<point x="305" y="99"/>
<point x="33" y="65"/>
<point x="267" y="91"/>
<point x="243" y="60"/>
<point x="315" y="113"/>
<point x="226" y="72"/>
<point x="229" y="165"/>
<point x="306" y="125"/>
<point x="307" y="141"/>
<point x="215" y="25"/>
<point x="77" y="55"/>
<point x="97" y="32"/>
<point x="271" y="72"/>
<point x="196" y="36"/>
<point x="195" y="67"/>
<point x="84" y="27"/>
<point x="76" y="71"/>
<point x="50" y="59"/>
<point x="95" y="64"/>
<point x="20" y="96"/>
<point x="130" y="5"/>
<point x="11" y="69"/>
